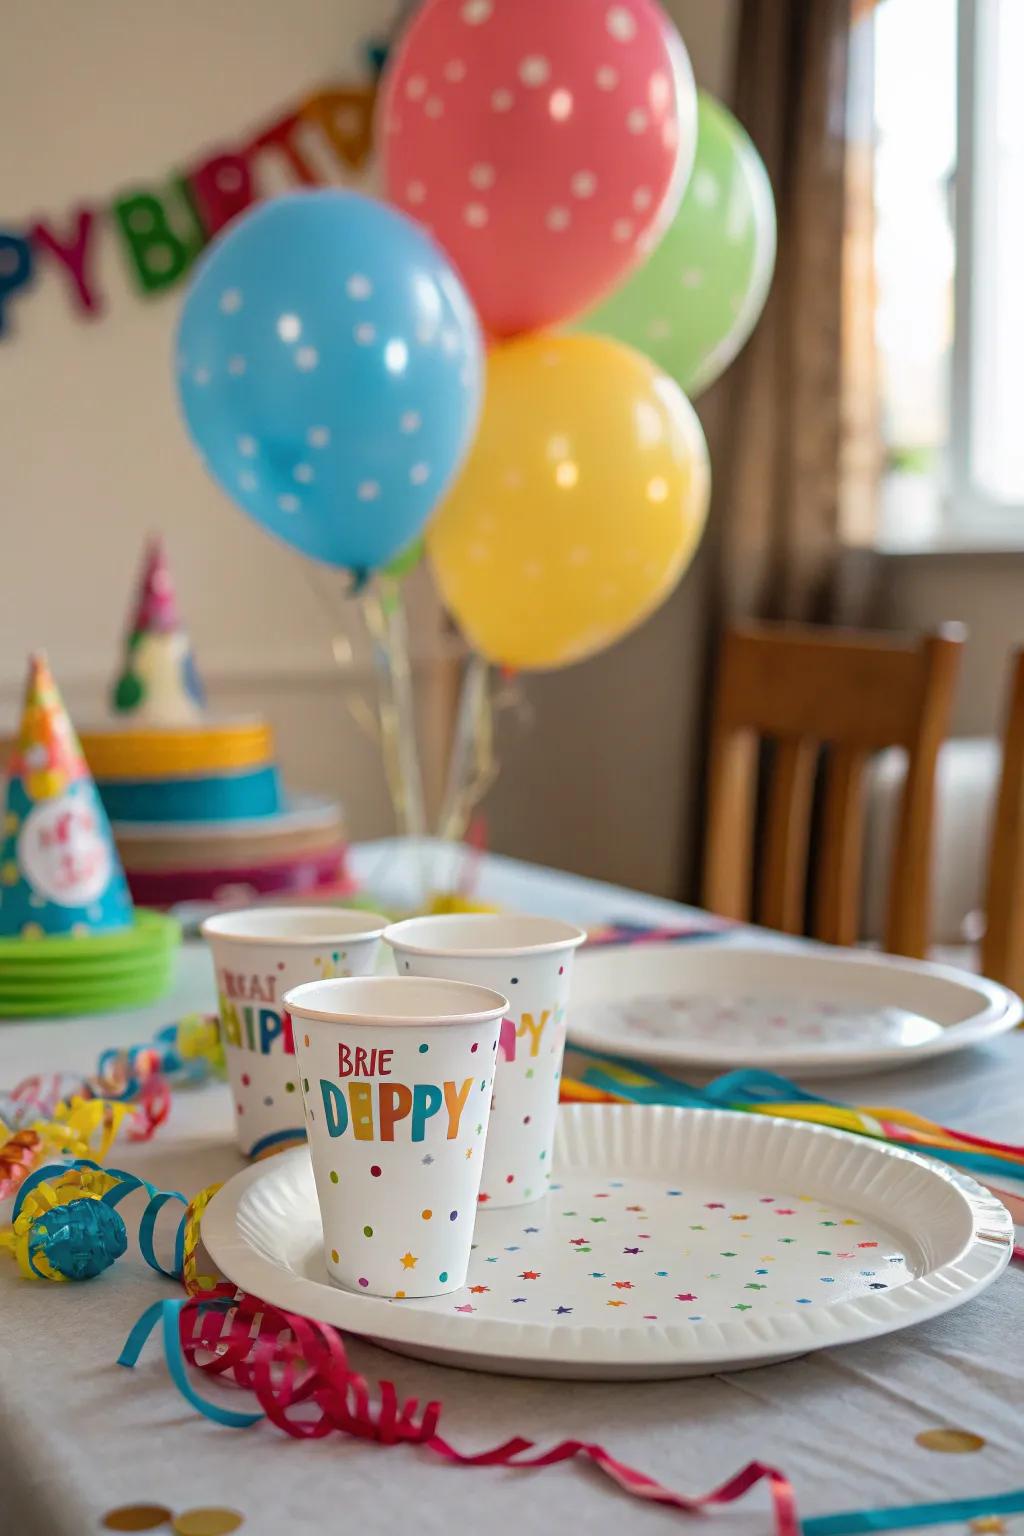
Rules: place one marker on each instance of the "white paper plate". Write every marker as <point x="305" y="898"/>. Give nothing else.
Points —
<point x="717" y="1004"/>
<point x="673" y="1242"/>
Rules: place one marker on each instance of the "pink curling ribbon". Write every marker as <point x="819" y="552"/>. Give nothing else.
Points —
<point x="298" y="1371"/>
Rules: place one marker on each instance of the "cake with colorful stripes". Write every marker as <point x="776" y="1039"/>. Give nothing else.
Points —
<point x="196" y="802"/>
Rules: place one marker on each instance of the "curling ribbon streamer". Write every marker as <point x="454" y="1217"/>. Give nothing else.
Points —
<point x="311" y="1367"/>
<point x="75" y="1245"/>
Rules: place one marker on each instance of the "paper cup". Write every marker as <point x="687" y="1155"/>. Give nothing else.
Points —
<point x="257" y="955"/>
<point x="397" y="1075"/>
<point x="530" y="960"/>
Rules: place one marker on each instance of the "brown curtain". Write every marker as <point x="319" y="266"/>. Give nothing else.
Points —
<point x="778" y="429"/>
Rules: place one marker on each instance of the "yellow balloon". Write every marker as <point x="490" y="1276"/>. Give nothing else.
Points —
<point x="580" y="505"/>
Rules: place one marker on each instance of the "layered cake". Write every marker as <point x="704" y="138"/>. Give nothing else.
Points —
<point x="196" y="802"/>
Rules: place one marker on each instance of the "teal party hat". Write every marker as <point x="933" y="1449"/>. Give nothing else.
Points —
<point x="59" y="869"/>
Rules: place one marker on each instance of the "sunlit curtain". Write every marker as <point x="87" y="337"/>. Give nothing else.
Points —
<point x="794" y="407"/>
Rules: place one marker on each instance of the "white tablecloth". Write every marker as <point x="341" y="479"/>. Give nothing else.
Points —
<point x="79" y="1435"/>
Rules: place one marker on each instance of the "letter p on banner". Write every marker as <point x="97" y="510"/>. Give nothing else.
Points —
<point x="17" y="268"/>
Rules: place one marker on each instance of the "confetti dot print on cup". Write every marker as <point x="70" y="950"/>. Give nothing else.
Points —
<point x="257" y="956"/>
<point x="395" y="1124"/>
<point x="530" y="960"/>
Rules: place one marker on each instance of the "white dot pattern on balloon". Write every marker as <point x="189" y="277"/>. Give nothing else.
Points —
<point x="583" y="184"/>
<point x="368" y="490"/>
<point x="289" y="327"/>
<point x="236" y="367"/>
<point x="318" y="437"/>
<point x="534" y="69"/>
<point x="419" y="473"/>
<point x="478" y="553"/>
<point x="303" y="473"/>
<point x="359" y="286"/>
<point x="475" y="215"/>
<point x="434" y="106"/>
<point x="691" y="277"/>
<point x="705" y="189"/>
<point x="247" y="447"/>
<point x="657" y="488"/>
<point x="481" y="175"/>
<point x="637" y="120"/>
<point x="621" y="23"/>
<point x="560" y="105"/>
<point x="502" y="100"/>
<point x="415" y="192"/>
<point x="533" y="570"/>
<point x="579" y="555"/>
<point x="475" y="12"/>
<point x="557" y="218"/>
<point x="622" y="230"/>
<point x="415" y="87"/>
<point x="607" y="77"/>
<point x="231" y="301"/>
<point x="659" y="330"/>
<point x="411" y="421"/>
<point x="201" y="376"/>
<point x="450" y="342"/>
<point x="306" y="358"/>
<point x="248" y="481"/>
<point x="288" y="502"/>
<point x="396" y="355"/>
<point x="659" y="91"/>
<point x="365" y="333"/>
<point x="455" y="70"/>
<point x="642" y="199"/>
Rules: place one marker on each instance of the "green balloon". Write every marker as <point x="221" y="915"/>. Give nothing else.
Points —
<point x="694" y="302"/>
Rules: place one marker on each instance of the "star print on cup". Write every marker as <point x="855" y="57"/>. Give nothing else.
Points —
<point x="379" y="1099"/>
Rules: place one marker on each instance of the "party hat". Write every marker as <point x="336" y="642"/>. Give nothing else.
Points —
<point x="59" y="869"/>
<point x="158" y="684"/>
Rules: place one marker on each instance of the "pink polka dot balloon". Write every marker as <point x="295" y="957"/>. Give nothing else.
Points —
<point x="545" y="143"/>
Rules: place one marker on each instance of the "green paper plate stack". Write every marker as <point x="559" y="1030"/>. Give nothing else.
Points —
<point x="90" y="973"/>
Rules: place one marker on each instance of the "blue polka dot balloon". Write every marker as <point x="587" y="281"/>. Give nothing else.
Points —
<point x="329" y="366"/>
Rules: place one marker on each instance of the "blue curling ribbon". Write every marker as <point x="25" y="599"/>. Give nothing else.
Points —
<point x="168" y="1313"/>
<point x="749" y="1086"/>
<point x="906" y="1516"/>
<point x="127" y="1184"/>
<point x="79" y="1240"/>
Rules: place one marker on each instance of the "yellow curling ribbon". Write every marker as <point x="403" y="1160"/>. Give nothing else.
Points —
<point x="195" y="1283"/>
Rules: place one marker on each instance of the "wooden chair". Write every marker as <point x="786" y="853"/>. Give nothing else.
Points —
<point x="1002" y="948"/>
<point x="851" y="693"/>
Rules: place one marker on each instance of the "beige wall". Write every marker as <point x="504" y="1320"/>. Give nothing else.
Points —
<point x="95" y="99"/>
<point x="985" y="591"/>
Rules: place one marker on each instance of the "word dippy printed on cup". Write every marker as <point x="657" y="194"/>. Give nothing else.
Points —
<point x="258" y="954"/>
<point x="397" y="1075"/>
<point x="372" y="1110"/>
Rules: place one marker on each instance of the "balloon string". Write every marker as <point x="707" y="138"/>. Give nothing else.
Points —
<point x="384" y="614"/>
<point x="341" y="653"/>
<point x="471" y="763"/>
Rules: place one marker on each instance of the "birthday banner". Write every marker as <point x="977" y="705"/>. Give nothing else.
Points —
<point x="162" y="228"/>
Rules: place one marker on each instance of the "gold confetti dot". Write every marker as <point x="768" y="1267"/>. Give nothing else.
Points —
<point x="207" y="1522"/>
<point x="136" y="1517"/>
<point x="988" y="1525"/>
<point x="956" y="1442"/>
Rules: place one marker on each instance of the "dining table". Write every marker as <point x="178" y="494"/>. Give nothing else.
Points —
<point x="852" y="1428"/>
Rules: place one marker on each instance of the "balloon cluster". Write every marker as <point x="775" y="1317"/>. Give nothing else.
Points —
<point x="331" y="358"/>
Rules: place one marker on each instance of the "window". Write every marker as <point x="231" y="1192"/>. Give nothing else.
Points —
<point x="949" y="254"/>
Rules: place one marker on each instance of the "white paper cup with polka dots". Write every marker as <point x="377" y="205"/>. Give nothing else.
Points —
<point x="397" y="1074"/>
<point x="257" y="955"/>
<point x="530" y="960"/>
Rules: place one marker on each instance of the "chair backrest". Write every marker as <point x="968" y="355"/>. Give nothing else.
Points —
<point x="851" y="693"/>
<point x="1002" y="949"/>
